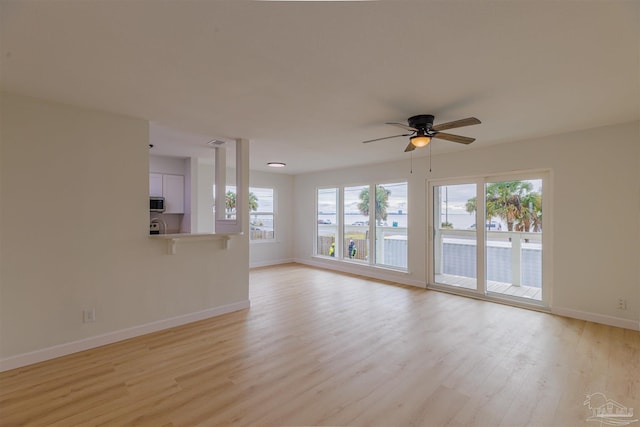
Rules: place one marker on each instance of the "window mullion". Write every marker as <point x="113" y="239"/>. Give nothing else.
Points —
<point x="372" y="224"/>
<point x="480" y="237"/>
<point x="340" y="225"/>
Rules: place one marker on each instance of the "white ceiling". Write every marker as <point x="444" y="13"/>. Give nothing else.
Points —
<point x="306" y="82"/>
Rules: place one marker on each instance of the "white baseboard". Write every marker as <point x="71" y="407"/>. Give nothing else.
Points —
<point x="25" y="359"/>
<point x="269" y="263"/>
<point x="597" y="318"/>
<point x="372" y="272"/>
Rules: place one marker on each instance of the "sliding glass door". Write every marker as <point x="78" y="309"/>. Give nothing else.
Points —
<point x="455" y="238"/>
<point x="486" y="236"/>
<point x="513" y="242"/>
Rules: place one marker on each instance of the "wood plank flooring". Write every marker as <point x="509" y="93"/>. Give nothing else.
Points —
<point x="324" y="348"/>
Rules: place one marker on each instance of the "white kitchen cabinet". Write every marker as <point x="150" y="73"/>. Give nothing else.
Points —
<point x="173" y="193"/>
<point x="155" y="185"/>
<point x="171" y="187"/>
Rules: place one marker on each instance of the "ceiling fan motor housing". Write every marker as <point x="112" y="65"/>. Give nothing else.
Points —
<point x="421" y="122"/>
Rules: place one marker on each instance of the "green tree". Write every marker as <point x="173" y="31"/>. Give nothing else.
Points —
<point x="504" y="200"/>
<point x="471" y="205"/>
<point x="253" y="202"/>
<point x="230" y="201"/>
<point x="382" y="202"/>
<point x="530" y="218"/>
<point x="514" y="202"/>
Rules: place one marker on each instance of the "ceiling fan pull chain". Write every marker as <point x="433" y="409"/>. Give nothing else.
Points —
<point x="411" y="163"/>
<point x="430" y="157"/>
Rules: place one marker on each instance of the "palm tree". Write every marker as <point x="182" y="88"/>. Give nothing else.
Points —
<point x="471" y="206"/>
<point x="253" y="202"/>
<point x="513" y="202"/>
<point x="230" y="201"/>
<point x="382" y="202"/>
<point x="531" y="213"/>
<point x="504" y="200"/>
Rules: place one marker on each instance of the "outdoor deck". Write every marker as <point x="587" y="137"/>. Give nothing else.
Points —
<point x="522" y="291"/>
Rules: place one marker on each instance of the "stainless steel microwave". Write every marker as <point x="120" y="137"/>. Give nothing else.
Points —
<point x="157" y="204"/>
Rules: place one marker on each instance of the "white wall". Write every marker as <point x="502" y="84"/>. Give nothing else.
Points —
<point x="594" y="209"/>
<point x="74" y="234"/>
<point x="202" y="189"/>
<point x="281" y="249"/>
<point x="168" y="165"/>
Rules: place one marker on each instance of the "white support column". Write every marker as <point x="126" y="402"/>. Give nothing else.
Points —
<point x="241" y="221"/>
<point x="516" y="255"/>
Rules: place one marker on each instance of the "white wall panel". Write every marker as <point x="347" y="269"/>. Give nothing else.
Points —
<point x="74" y="233"/>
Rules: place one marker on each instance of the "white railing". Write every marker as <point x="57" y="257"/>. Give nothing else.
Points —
<point x="390" y="243"/>
<point x="515" y="240"/>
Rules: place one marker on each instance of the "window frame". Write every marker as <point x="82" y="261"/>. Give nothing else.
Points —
<point x="374" y="226"/>
<point x="272" y="213"/>
<point x="340" y="250"/>
<point x="338" y="231"/>
<point x="545" y="175"/>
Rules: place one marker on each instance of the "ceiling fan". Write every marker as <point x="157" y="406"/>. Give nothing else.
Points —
<point x="422" y="130"/>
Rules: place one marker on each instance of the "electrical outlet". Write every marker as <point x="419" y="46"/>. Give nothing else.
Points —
<point x="622" y="304"/>
<point x="89" y="316"/>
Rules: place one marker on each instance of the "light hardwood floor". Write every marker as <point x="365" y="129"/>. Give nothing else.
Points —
<point x="323" y="348"/>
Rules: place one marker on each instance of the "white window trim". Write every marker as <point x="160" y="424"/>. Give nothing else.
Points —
<point x="340" y="250"/>
<point x="272" y="213"/>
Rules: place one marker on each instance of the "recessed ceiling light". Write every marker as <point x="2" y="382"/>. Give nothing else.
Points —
<point x="276" y="164"/>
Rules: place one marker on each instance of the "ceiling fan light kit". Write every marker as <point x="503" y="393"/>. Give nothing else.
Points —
<point x="422" y="131"/>
<point x="420" y="140"/>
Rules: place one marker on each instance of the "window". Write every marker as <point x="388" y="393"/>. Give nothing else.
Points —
<point x="261" y="202"/>
<point x="391" y="225"/>
<point x="262" y="214"/>
<point x="327" y="226"/>
<point x="352" y="225"/>
<point x="356" y="223"/>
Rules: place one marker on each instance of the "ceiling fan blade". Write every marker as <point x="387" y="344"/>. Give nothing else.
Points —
<point x="456" y="124"/>
<point x="402" y="125"/>
<point x="454" y="138"/>
<point x="386" y="137"/>
<point x="410" y="147"/>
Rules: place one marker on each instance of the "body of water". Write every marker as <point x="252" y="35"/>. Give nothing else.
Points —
<point x="354" y="219"/>
<point x="460" y="221"/>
